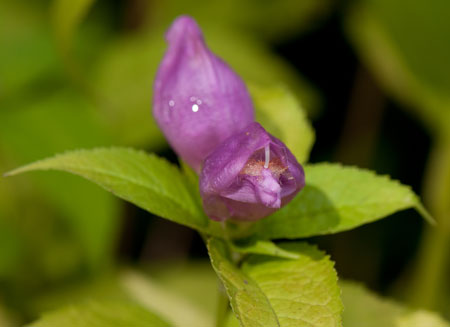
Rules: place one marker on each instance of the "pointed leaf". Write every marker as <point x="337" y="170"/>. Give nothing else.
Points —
<point x="336" y="198"/>
<point x="271" y="291"/>
<point x="143" y="179"/>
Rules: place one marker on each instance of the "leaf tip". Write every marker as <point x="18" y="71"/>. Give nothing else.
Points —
<point x="15" y="171"/>
<point x="9" y="173"/>
<point x="425" y="214"/>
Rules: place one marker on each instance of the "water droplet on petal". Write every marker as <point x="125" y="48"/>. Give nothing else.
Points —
<point x="171" y="103"/>
<point x="192" y="99"/>
<point x="194" y="108"/>
<point x="199" y="102"/>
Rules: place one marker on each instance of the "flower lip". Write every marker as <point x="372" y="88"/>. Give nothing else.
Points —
<point x="249" y="176"/>
<point x="269" y="192"/>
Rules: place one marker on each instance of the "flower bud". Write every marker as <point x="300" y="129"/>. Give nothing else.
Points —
<point x="249" y="176"/>
<point x="198" y="100"/>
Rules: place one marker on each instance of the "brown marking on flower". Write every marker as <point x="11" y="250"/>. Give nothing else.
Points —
<point x="253" y="167"/>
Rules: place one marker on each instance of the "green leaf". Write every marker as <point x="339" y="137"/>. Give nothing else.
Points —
<point x="143" y="179"/>
<point x="336" y="198"/>
<point x="67" y="14"/>
<point x="406" y="46"/>
<point x="232" y="321"/>
<point x="248" y="301"/>
<point x="363" y="308"/>
<point x="271" y="291"/>
<point x="104" y="314"/>
<point x="262" y="247"/>
<point x="281" y="114"/>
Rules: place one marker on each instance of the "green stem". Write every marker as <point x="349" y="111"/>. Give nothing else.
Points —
<point x="429" y="277"/>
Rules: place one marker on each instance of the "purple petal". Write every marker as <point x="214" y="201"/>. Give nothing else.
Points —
<point x="249" y="176"/>
<point x="198" y="100"/>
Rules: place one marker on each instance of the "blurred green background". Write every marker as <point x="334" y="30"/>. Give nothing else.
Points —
<point x="374" y="76"/>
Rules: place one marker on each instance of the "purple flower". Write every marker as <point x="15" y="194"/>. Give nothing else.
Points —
<point x="198" y="100"/>
<point x="249" y="176"/>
